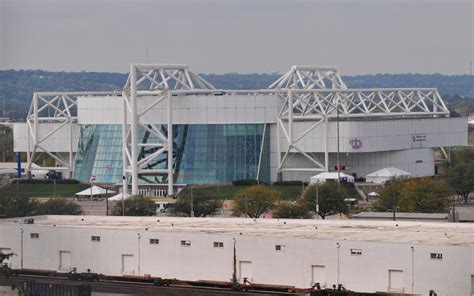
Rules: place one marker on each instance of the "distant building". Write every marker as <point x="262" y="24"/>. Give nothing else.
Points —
<point x="290" y="131"/>
<point x="364" y="256"/>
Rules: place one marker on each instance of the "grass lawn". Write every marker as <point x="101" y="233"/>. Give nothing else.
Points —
<point x="42" y="190"/>
<point x="227" y="191"/>
<point x="287" y="192"/>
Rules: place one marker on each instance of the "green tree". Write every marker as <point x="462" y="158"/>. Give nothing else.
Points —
<point x="389" y="198"/>
<point x="331" y="197"/>
<point x="460" y="173"/>
<point x="21" y="206"/>
<point x="6" y="144"/>
<point x="5" y="272"/>
<point x="203" y="205"/>
<point x="135" y="206"/>
<point x="254" y="201"/>
<point x="422" y="195"/>
<point x="59" y="206"/>
<point x="292" y="209"/>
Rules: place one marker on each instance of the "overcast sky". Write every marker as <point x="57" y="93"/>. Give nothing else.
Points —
<point x="245" y="36"/>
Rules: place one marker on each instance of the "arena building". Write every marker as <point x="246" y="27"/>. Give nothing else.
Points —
<point x="169" y="126"/>
<point x="363" y="256"/>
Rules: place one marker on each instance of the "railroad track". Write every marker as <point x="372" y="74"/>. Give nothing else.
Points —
<point x="139" y="289"/>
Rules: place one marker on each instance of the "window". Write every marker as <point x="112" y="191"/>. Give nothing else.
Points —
<point x="95" y="238"/>
<point x="280" y="248"/>
<point x="154" y="241"/>
<point x="436" y="256"/>
<point x="185" y="243"/>
<point x="34" y="235"/>
<point x="419" y="161"/>
<point x="218" y="244"/>
<point x="356" y="252"/>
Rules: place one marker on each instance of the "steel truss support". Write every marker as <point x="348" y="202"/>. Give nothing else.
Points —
<point x="163" y="84"/>
<point x="302" y="78"/>
<point x="318" y="95"/>
<point x="53" y="107"/>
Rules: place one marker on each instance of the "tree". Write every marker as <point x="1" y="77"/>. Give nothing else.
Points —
<point x="422" y="195"/>
<point x="460" y="173"/>
<point x="254" y="201"/>
<point x="203" y="205"/>
<point x="21" y="206"/>
<point x="291" y="210"/>
<point x="59" y="206"/>
<point x="135" y="206"/>
<point x="5" y="272"/>
<point x="390" y="196"/>
<point x="331" y="196"/>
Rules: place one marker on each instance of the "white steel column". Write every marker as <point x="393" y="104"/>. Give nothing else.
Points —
<point x="279" y="174"/>
<point x="124" y="147"/>
<point x="290" y="118"/>
<point x="326" y="148"/>
<point x="170" y="145"/>
<point x="71" y="159"/>
<point x="134" y="129"/>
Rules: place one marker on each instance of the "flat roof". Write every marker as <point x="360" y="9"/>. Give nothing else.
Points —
<point x="401" y="215"/>
<point x="437" y="233"/>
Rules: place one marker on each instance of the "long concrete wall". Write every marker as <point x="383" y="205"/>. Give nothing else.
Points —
<point x="358" y="265"/>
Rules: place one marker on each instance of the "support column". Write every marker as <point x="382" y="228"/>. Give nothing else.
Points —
<point x="71" y="164"/>
<point x="28" y="148"/>
<point x="134" y="129"/>
<point x="124" y="147"/>
<point x="279" y="174"/>
<point x="170" y="145"/>
<point x="290" y="118"/>
<point x="326" y="148"/>
<point x="35" y="123"/>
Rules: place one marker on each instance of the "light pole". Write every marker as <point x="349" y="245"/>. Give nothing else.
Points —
<point x="338" y="145"/>
<point x="317" y="201"/>
<point x="192" y="206"/>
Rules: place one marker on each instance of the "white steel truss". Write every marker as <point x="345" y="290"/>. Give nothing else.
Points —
<point x="53" y="107"/>
<point x="306" y="97"/>
<point x="312" y="94"/>
<point x="163" y="83"/>
<point x="309" y="77"/>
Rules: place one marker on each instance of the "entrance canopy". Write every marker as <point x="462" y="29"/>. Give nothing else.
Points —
<point x="383" y="175"/>
<point x="119" y="197"/>
<point x="323" y="177"/>
<point x="94" y="191"/>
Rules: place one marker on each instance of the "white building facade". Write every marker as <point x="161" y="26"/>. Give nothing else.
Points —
<point x="364" y="256"/>
<point x="169" y="126"/>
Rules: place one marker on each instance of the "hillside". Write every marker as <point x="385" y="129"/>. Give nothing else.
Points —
<point x="17" y="86"/>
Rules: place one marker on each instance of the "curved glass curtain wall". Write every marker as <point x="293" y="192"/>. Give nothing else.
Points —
<point x="203" y="154"/>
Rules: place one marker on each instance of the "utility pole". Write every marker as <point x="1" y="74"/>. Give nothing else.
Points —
<point x="4" y="133"/>
<point x="338" y="145"/>
<point x="317" y="201"/>
<point x="393" y="203"/>
<point x="192" y="206"/>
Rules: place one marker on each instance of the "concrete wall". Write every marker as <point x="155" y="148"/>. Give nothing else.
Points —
<point x="418" y="162"/>
<point x="380" y="135"/>
<point x="201" y="261"/>
<point x="231" y="108"/>
<point x="58" y="142"/>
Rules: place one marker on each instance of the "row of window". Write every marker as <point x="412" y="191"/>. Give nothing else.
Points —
<point x="278" y="248"/>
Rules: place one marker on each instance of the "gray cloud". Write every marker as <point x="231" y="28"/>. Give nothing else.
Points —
<point x="364" y="36"/>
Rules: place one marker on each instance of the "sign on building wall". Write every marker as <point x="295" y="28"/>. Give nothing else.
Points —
<point x="418" y="140"/>
<point x="355" y="143"/>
